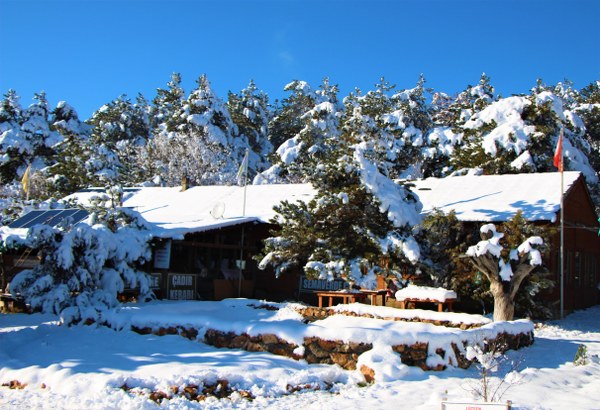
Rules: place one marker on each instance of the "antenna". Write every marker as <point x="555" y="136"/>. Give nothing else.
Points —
<point x="218" y="210"/>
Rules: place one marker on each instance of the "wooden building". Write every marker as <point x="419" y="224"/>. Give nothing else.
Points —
<point x="206" y="236"/>
<point x="497" y="198"/>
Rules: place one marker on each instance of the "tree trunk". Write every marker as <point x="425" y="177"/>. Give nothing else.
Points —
<point x="504" y="307"/>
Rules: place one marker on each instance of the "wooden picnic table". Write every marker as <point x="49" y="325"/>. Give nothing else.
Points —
<point x="347" y="297"/>
<point x="440" y="303"/>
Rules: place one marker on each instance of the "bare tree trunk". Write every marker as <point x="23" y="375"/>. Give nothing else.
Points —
<point x="504" y="306"/>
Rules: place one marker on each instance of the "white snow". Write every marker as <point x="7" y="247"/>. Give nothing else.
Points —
<point x="83" y="367"/>
<point x="425" y="293"/>
<point x="491" y="198"/>
<point x="174" y="212"/>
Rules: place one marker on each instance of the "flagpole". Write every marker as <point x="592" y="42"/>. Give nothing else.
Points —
<point x="562" y="245"/>
<point x="245" y="180"/>
<point x="559" y="162"/>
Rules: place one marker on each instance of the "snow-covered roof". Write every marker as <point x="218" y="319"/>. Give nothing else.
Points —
<point x="495" y="198"/>
<point x="487" y="198"/>
<point x="175" y="212"/>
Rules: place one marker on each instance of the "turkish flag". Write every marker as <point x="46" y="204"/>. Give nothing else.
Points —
<point x="558" y="155"/>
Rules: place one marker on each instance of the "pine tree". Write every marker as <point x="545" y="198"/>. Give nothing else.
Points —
<point x="357" y="227"/>
<point x="295" y="159"/>
<point x="120" y="131"/>
<point x="587" y="107"/>
<point x="206" y="147"/>
<point x="84" y="267"/>
<point x="250" y="113"/>
<point x="287" y="119"/>
<point x="11" y="118"/>
<point x="166" y="107"/>
<point x="68" y="173"/>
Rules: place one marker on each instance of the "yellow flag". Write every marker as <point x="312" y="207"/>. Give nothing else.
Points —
<point x="25" y="179"/>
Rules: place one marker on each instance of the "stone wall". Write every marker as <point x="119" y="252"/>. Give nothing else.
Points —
<point x="312" y="314"/>
<point x="315" y="350"/>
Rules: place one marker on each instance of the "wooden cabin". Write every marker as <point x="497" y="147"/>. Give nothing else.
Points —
<point x="205" y="237"/>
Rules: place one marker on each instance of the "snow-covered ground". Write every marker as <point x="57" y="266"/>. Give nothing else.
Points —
<point x="83" y="367"/>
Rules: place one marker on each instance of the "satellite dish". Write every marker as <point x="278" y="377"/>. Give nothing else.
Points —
<point x="218" y="210"/>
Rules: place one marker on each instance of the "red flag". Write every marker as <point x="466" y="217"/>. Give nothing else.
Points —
<point x="558" y="154"/>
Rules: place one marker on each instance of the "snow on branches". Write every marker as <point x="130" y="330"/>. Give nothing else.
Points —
<point x="85" y="266"/>
<point x="504" y="270"/>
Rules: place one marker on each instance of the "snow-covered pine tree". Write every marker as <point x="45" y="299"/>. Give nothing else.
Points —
<point x="11" y="143"/>
<point x="519" y="134"/>
<point x="587" y="106"/>
<point x="411" y="122"/>
<point x="358" y="226"/>
<point x="120" y="130"/>
<point x="286" y="120"/>
<point x="250" y="113"/>
<point x="205" y="148"/>
<point x="166" y="107"/>
<point x="30" y="141"/>
<point x="68" y="173"/>
<point x="295" y="159"/>
<point x="84" y="267"/>
<point x="444" y="143"/>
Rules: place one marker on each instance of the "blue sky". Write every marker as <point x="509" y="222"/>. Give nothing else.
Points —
<point x="88" y="52"/>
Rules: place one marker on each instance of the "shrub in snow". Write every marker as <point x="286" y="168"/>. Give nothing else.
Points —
<point x="581" y="357"/>
<point x="497" y="372"/>
<point x="84" y="267"/>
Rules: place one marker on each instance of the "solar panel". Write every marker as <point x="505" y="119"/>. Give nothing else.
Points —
<point x="42" y="219"/>
<point x="51" y="217"/>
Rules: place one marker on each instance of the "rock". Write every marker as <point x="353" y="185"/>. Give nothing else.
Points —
<point x="368" y="373"/>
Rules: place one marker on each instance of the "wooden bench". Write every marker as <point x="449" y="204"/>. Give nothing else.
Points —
<point x="440" y="303"/>
<point x="347" y="297"/>
<point x="374" y="294"/>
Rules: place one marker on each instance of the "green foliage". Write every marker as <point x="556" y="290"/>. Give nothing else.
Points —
<point x="444" y="239"/>
<point x="581" y="356"/>
<point x="343" y="232"/>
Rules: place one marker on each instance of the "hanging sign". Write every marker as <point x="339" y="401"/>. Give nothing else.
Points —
<point x="162" y="255"/>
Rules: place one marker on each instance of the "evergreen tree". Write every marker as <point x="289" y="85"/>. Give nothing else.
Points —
<point x="84" y="267"/>
<point x="250" y="113"/>
<point x="30" y="141"/>
<point x="287" y="119"/>
<point x="358" y="226"/>
<point x="449" y="145"/>
<point x="166" y="107"/>
<point x="206" y="147"/>
<point x="120" y="131"/>
<point x="587" y="107"/>
<point x="68" y="173"/>
<point x="519" y="134"/>
<point x="11" y="148"/>
<point x="295" y="159"/>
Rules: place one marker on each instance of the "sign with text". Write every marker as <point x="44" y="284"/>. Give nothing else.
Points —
<point x="181" y="286"/>
<point x="155" y="279"/>
<point x="162" y="255"/>
<point x="446" y="405"/>
<point x="309" y="285"/>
